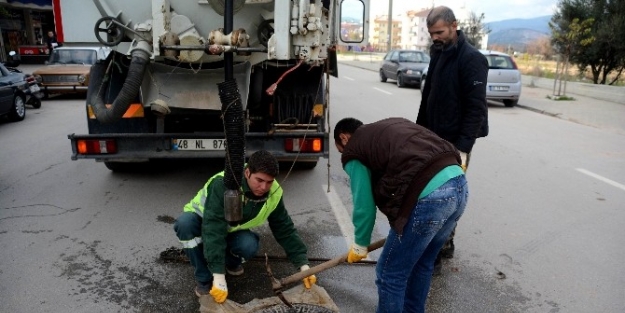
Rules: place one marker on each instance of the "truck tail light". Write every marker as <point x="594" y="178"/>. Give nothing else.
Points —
<point x="303" y="145"/>
<point x="95" y="146"/>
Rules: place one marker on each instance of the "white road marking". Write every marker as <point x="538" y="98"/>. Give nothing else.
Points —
<point x="341" y="214"/>
<point x="348" y="78"/>
<point x="601" y="178"/>
<point x="382" y="91"/>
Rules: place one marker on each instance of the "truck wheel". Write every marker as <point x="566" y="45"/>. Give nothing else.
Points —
<point x="123" y="167"/>
<point x="306" y="165"/>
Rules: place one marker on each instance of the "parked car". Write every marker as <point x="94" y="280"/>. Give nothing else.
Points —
<point x="67" y="70"/>
<point x="14" y="92"/>
<point x="504" y="78"/>
<point x="33" y="92"/>
<point x="404" y="66"/>
<point x="424" y="75"/>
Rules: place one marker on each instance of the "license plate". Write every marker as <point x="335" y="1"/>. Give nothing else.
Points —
<point x="499" y="88"/>
<point x="199" y="144"/>
<point x="34" y="88"/>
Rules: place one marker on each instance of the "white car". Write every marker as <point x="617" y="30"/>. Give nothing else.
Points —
<point x="504" y="78"/>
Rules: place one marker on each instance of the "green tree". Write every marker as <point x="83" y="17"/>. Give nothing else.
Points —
<point x="605" y="55"/>
<point x="570" y="42"/>
<point x="474" y="29"/>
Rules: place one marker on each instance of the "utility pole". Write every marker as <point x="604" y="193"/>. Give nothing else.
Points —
<point x="389" y="29"/>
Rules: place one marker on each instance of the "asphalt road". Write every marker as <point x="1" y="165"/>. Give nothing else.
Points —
<point x="542" y="231"/>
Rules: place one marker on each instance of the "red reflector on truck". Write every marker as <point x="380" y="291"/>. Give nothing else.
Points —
<point x="94" y="146"/>
<point x="302" y="145"/>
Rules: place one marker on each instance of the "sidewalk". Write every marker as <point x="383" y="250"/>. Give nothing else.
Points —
<point x="584" y="110"/>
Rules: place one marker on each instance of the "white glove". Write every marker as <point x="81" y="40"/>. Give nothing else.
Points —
<point x="463" y="158"/>
<point x="220" y="288"/>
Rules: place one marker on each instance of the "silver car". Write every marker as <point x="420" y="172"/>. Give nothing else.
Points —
<point x="504" y="78"/>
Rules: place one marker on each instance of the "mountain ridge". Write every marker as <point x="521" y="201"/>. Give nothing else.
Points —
<point x="518" y="33"/>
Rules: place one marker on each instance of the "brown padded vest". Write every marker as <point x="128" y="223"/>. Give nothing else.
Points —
<point x="402" y="157"/>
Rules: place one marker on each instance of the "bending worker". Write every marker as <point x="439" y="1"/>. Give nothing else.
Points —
<point x="414" y="177"/>
<point x="215" y="248"/>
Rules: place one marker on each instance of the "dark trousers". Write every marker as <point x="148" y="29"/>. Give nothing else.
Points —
<point x="240" y="245"/>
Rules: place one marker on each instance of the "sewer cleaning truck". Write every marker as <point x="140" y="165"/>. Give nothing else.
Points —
<point x="187" y="79"/>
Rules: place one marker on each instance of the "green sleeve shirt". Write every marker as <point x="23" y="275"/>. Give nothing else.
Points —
<point x="362" y="197"/>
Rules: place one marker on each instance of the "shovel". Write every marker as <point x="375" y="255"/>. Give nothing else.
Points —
<point x="279" y="285"/>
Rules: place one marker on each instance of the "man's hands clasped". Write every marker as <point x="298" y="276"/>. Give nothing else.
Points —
<point x="220" y="288"/>
<point x="356" y="253"/>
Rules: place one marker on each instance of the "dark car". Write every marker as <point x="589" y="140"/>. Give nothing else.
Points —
<point x="13" y="90"/>
<point x="404" y="66"/>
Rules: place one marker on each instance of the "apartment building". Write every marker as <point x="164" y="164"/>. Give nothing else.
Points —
<point x="410" y="30"/>
<point x="380" y="36"/>
<point x="416" y="32"/>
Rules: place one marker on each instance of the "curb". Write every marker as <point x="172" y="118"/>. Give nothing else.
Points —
<point x="558" y="115"/>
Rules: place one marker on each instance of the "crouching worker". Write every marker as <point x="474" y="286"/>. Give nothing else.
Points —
<point x="215" y="248"/>
<point x="414" y="177"/>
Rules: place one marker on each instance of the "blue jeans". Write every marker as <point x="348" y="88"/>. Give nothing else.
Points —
<point x="404" y="270"/>
<point x="240" y="245"/>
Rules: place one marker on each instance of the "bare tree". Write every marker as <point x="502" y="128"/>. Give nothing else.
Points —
<point x="474" y="29"/>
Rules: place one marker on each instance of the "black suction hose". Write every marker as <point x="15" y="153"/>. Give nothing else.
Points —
<point x="128" y="93"/>
<point x="232" y="109"/>
<point x="232" y="112"/>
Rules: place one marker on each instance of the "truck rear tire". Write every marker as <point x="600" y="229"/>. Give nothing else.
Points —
<point x="306" y="165"/>
<point x="126" y="167"/>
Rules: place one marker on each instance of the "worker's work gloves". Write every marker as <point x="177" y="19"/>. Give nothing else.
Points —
<point x="356" y="253"/>
<point x="463" y="157"/>
<point x="309" y="280"/>
<point x="220" y="288"/>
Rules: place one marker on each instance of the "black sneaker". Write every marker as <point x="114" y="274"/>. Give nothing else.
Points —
<point x="202" y="289"/>
<point x="235" y="271"/>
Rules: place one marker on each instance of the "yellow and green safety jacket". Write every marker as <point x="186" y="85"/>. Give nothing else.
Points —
<point x="209" y="204"/>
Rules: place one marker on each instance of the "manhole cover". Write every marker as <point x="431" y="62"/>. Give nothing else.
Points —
<point x="297" y="308"/>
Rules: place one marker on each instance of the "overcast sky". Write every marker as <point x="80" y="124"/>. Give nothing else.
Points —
<point x="494" y="10"/>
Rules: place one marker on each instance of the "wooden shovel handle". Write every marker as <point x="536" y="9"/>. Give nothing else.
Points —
<point x="325" y="265"/>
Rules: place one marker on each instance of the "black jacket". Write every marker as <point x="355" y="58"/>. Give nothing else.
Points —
<point x="402" y="157"/>
<point x="453" y="103"/>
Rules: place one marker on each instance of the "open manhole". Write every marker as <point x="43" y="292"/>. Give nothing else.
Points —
<point x="297" y="308"/>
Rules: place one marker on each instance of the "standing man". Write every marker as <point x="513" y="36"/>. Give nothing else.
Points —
<point x="215" y="248"/>
<point x="414" y="177"/>
<point x="453" y="103"/>
<point x="51" y="42"/>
